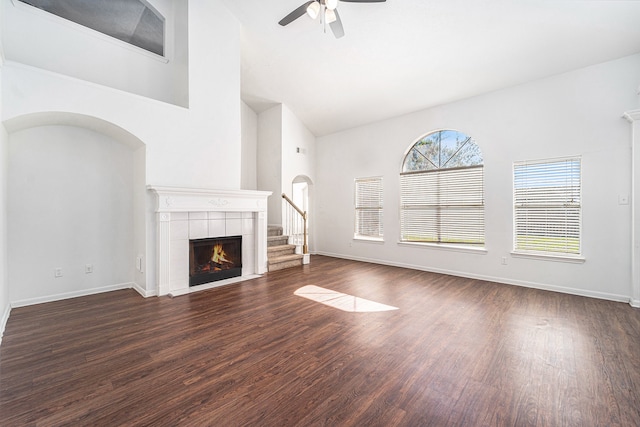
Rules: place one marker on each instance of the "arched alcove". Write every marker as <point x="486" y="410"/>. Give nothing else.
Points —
<point x="63" y="118"/>
<point x="76" y="207"/>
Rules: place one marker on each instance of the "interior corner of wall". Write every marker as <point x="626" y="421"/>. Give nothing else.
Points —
<point x="2" y="57"/>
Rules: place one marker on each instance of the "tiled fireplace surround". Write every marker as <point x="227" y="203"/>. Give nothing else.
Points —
<point x="187" y="213"/>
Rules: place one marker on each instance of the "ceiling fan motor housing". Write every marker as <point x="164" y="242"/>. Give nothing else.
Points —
<point x="314" y="8"/>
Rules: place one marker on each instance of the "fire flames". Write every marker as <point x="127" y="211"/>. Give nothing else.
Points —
<point x="210" y="258"/>
<point x="219" y="256"/>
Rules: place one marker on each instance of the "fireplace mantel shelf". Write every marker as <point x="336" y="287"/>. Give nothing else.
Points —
<point x="177" y="199"/>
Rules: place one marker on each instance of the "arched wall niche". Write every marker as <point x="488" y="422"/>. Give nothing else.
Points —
<point x="76" y="204"/>
<point x="62" y="118"/>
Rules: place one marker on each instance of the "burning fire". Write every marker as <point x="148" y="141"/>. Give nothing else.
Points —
<point x="219" y="256"/>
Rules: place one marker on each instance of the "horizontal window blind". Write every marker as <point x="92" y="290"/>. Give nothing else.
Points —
<point x="547" y="206"/>
<point x="369" y="207"/>
<point x="443" y="206"/>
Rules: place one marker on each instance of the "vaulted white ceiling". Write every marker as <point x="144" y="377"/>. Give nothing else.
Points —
<point x="405" y="55"/>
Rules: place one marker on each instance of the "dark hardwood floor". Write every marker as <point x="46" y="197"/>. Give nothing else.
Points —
<point x="458" y="352"/>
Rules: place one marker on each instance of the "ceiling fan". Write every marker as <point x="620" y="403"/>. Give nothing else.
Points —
<point x="326" y="9"/>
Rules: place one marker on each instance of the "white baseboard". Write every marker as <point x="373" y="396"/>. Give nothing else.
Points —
<point x="145" y="293"/>
<point x="68" y="295"/>
<point x="635" y="303"/>
<point x="526" y="284"/>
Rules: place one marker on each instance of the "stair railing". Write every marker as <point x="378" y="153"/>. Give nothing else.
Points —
<point x="295" y="224"/>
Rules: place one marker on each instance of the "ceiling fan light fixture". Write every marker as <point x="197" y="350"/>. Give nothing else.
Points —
<point x="313" y="9"/>
<point x="330" y="16"/>
<point x="331" y="4"/>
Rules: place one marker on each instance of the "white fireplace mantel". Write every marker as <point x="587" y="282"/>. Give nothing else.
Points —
<point x="184" y="213"/>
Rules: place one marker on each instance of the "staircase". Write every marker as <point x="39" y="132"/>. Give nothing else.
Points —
<point x="280" y="254"/>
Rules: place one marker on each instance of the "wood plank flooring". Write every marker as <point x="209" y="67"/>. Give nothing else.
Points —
<point x="458" y="352"/>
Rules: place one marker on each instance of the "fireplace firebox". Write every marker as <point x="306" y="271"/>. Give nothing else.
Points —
<point x="214" y="259"/>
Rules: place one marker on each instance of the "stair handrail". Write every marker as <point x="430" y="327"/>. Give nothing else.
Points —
<point x="303" y="214"/>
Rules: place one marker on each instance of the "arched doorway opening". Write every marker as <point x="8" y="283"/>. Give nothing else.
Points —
<point x="302" y="196"/>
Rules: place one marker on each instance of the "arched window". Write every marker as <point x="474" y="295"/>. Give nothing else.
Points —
<point x="441" y="190"/>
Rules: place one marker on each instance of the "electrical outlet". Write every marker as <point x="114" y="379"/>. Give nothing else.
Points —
<point x="503" y="260"/>
<point x="88" y="268"/>
<point x="57" y="272"/>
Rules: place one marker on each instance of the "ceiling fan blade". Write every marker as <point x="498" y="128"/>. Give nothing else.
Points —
<point x="363" y="1"/>
<point x="336" y="26"/>
<point x="297" y="13"/>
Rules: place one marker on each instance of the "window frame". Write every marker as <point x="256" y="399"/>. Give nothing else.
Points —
<point x="462" y="246"/>
<point x="379" y="237"/>
<point x="546" y="165"/>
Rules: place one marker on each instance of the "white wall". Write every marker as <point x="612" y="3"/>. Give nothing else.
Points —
<point x="296" y="135"/>
<point x="249" y="179"/>
<point x="280" y="135"/>
<point x="195" y="147"/>
<point x="4" y="276"/>
<point x="577" y="113"/>
<point x="269" y="163"/>
<point x="141" y="235"/>
<point x="70" y="204"/>
<point x="179" y="55"/>
<point x="302" y="162"/>
<point x="214" y="98"/>
<point x="4" y="280"/>
<point x="43" y="40"/>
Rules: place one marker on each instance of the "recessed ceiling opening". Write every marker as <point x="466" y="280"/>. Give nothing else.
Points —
<point x="132" y="21"/>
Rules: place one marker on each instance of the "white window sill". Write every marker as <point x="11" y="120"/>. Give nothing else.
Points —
<point x="455" y="248"/>
<point x="369" y="239"/>
<point x="575" y="259"/>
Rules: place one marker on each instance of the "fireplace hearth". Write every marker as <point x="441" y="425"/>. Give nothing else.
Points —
<point x="214" y="259"/>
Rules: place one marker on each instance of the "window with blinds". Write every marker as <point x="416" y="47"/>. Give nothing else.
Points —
<point x="442" y="191"/>
<point x="368" y="201"/>
<point x="443" y="206"/>
<point x="547" y="206"/>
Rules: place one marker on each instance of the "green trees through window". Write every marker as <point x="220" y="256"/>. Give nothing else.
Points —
<point x="444" y="149"/>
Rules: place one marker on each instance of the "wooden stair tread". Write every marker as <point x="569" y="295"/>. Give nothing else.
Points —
<point x="285" y="258"/>
<point x="274" y="231"/>
<point x="276" y="248"/>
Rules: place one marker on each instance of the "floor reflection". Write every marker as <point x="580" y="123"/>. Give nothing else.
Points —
<point x="341" y="301"/>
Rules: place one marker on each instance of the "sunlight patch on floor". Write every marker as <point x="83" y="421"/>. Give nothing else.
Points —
<point x="341" y="301"/>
